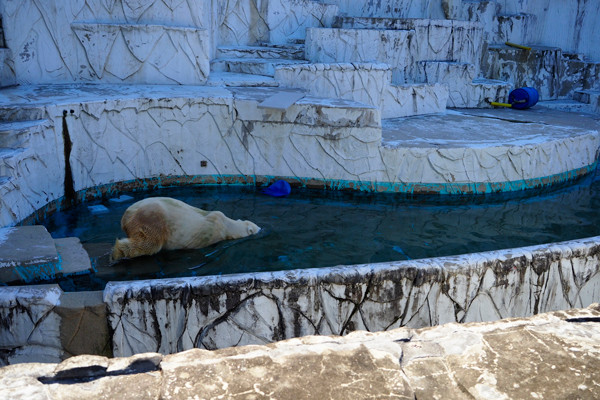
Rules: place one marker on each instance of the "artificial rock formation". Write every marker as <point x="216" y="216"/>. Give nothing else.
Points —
<point x="548" y="356"/>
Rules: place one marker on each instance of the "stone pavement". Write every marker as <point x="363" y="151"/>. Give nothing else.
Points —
<point x="548" y="356"/>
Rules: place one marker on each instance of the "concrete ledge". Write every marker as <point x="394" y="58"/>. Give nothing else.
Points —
<point x="334" y="142"/>
<point x="213" y="312"/>
<point x="41" y="323"/>
<point x="335" y="45"/>
<point x="369" y="83"/>
<point x="501" y="149"/>
<point x="27" y="254"/>
<point x="556" y="354"/>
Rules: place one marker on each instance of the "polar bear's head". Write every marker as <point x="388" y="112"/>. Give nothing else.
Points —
<point x="239" y="229"/>
<point x="125" y="248"/>
<point x="249" y="228"/>
<point x="120" y="250"/>
<point x="252" y="228"/>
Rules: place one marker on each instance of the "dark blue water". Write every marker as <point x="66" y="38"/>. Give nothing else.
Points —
<point x="314" y="228"/>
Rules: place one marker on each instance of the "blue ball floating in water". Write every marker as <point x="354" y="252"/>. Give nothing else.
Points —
<point x="278" y="189"/>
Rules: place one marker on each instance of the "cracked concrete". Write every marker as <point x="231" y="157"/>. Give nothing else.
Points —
<point x="369" y="83"/>
<point x="141" y="133"/>
<point x="116" y="131"/>
<point x="85" y="42"/>
<point x="265" y="307"/>
<point x="44" y="324"/>
<point x="553" y="355"/>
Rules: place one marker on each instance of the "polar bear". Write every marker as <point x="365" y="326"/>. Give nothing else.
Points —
<point x="164" y="223"/>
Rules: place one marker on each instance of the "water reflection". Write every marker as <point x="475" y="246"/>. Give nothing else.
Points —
<point x="312" y="228"/>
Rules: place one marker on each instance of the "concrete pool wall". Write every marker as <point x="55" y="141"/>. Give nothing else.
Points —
<point x="84" y="119"/>
<point x="111" y="134"/>
<point x="42" y="323"/>
<point x="168" y="316"/>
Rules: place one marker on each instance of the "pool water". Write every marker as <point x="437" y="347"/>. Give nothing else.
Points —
<point x="318" y="228"/>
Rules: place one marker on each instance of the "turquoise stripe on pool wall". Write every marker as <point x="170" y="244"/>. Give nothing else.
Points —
<point x="476" y="188"/>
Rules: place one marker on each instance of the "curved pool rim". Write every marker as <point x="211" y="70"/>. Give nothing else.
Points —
<point x="220" y="311"/>
<point x="164" y="182"/>
<point x="472" y="287"/>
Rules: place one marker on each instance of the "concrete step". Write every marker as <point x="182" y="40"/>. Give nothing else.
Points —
<point x="29" y="254"/>
<point x="21" y="112"/>
<point x="515" y="28"/>
<point x="74" y="259"/>
<point x="14" y="134"/>
<point x="7" y="73"/>
<point x="148" y="53"/>
<point x="407" y="43"/>
<point x="396" y="48"/>
<point x="291" y="52"/>
<point x="368" y="83"/>
<point x="253" y="66"/>
<point x="479" y="93"/>
<point x="407" y="100"/>
<point x="310" y="110"/>
<point x="541" y="67"/>
<point x="568" y="105"/>
<point x="234" y="79"/>
<point x="435" y="39"/>
<point x="287" y="20"/>
<point x="579" y="74"/>
<point x="465" y="90"/>
<point x="591" y="97"/>
<point x="454" y="73"/>
<point x="435" y="26"/>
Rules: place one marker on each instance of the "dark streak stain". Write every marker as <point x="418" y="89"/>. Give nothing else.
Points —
<point x="70" y="195"/>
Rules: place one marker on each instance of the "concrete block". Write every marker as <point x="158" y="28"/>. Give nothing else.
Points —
<point x="121" y="199"/>
<point x="282" y="100"/>
<point x="84" y="324"/>
<point x="98" y="209"/>
<point x="27" y="254"/>
<point x="74" y="258"/>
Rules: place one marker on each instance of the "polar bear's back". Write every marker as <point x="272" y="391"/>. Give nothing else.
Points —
<point x="175" y="224"/>
<point x="164" y="211"/>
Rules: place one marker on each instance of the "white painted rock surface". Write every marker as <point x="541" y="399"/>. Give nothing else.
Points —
<point x="369" y="83"/>
<point x="213" y="312"/>
<point x="549" y="356"/>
